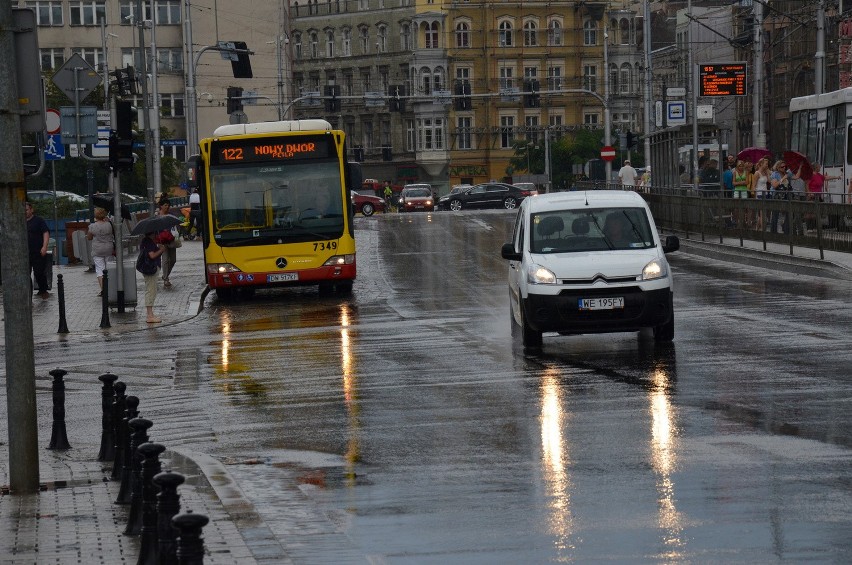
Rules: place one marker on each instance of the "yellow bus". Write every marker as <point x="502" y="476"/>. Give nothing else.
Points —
<point x="276" y="206"/>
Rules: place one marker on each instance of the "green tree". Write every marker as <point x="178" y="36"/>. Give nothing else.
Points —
<point x="569" y="149"/>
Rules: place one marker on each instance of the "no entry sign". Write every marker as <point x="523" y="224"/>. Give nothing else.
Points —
<point x="608" y="153"/>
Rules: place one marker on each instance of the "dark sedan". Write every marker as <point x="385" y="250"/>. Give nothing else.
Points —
<point x="485" y="195"/>
<point x="367" y="204"/>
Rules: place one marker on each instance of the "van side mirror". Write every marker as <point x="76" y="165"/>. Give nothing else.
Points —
<point x="508" y="252"/>
<point x="672" y="243"/>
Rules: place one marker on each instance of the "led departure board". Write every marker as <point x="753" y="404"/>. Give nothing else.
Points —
<point x="266" y="149"/>
<point x="722" y="79"/>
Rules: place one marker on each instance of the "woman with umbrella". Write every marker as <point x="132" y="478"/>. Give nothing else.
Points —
<point x="148" y="262"/>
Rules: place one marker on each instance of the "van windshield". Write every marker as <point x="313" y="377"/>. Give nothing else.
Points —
<point x="590" y="229"/>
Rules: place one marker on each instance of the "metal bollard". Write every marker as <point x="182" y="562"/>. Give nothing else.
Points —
<point x="105" y="302"/>
<point x="168" y="505"/>
<point x="58" y="435"/>
<point x="134" y="518"/>
<point x="123" y="497"/>
<point x="107" y="451"/>
<point x="150" y="453"/>
<point x="119" y="406"/>
<point x="60" y="291"/>
<point x="190" y="545"/>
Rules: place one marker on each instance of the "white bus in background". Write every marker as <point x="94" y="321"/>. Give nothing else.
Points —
<point x="821" y="125"/>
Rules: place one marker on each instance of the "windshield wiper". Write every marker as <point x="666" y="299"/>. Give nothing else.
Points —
<point x="633" y="226"/>
<point x="597" y="225"/>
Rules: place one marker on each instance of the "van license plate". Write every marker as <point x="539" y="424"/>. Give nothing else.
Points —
<point x="601" y="303"/>
<point x="282" y="277"/>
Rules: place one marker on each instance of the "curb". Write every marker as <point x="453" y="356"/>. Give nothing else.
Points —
<point x="766" y="259"/>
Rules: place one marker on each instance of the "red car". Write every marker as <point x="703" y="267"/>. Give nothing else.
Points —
<point x="416" y="197"/>
<point x="367" y="204"/>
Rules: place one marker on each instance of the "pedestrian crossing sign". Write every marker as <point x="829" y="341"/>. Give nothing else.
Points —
<point x="54" y="150"/>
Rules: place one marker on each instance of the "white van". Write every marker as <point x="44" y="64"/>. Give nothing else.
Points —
<point x="588" y="262"/>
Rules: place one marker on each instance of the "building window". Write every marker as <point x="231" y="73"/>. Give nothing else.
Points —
<point x="365" y="40"/>
<point x="432" y="36"/>
<point x="175" y="152"/>
<point x="507" y="75"/>
<point x="624" y="28"/>
<point x="329" y="44"/>
<point x="171" y="106"/>
<point x="463" y="74"/>
<point x="410" y="140"/>
<point x="505" y="34"/>
<point x="554" y="33"/>
<point x="463" y="133"/>
<point x="591" y="119"/>
<point x="507" y="131"/>
<point x="170" y="60"/>
<point x="613" y="78"/>
<point x="530" y="34"/>
<point x="127" y="11"/>
<point x="430" y="134"/>
<point x="131" y="57"/>
<point x="426" y="81"/>
<point x="365" y="80"/>
<point x="554" y="78"/>
<point x="530" y="72"/>
<point x="347" y="42"/>
<point x="590" y="77"/>
<point x="406" y="37"/>
<point x="383" y="78"/>
<point x="92" y="55"/>
<point x="625" y="79"/>
<point x="590" y="32"/>
<point x="382" y="39"/>
<point x="556" y="120"/>
<point x="314" y="45"/>
<point x="367" y="135"/>
<point x="532" y="128"/>
<point x="51" y="58"/>
<point x="168" y="12"/>
<point x="297" y="46"/>
<point x="87" y="12"/>
<point x="363" y="4"/>
<point x="462" y="35"/>
<point x="347" y="84"/>
<point x="48" y="13"/>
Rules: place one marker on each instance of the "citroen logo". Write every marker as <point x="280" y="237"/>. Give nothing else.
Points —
<point x="281" y="262"/>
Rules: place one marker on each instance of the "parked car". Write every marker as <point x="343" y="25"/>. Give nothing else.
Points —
<point x="457" y="188"/>
<point x="367" y="204"/>
<point x="416" y="197"/>
<point x="485" y="195"/>
<point x="33" y="195"/>
<point x="528" y="186"/>
<point x="588" y="262"/>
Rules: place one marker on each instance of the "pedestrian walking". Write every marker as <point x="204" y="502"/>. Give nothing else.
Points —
<point x="102" y="235"/>
<point x="38" y="236"/>
<point x="627" y="174"/>
<point x="148" y="263"/>
<point x="171" y="242"/>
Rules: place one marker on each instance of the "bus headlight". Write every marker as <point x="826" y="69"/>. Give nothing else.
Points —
<point x="335" y="260"/>
<point x="221" y="268"/>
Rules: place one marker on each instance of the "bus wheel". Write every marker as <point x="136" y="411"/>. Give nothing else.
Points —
<point x="344" y="287"/>
<point x="225" y="294"/>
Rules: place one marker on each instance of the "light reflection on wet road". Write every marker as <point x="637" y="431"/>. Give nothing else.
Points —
<point x="408" y="428"/>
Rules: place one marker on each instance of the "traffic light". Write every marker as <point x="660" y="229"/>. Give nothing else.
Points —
<point x="395" y="101"/>
<point x="631" y="139"/>
<point x="531" y="96"/>
<point x="242" y="66"/>
<point x="332" y="102"/>
<point x="462" y="99"/>
<point x="235" y="99"/>
<point x="124" y="114"/>
<point x="125" y="81"/>
<point x="120" y="152"/>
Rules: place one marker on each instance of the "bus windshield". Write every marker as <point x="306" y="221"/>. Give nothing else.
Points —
<point x="263" y="203"/>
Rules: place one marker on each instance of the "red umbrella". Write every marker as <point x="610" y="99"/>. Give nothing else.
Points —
<point x="753" y="154"/>
<point x="794" y="160"/>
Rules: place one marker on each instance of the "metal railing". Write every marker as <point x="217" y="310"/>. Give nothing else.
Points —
<point x="790" y="219"/>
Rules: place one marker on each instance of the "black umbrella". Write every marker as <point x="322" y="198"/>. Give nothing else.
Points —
<point x="155" y="224"/>
<point x="106" y="202"/>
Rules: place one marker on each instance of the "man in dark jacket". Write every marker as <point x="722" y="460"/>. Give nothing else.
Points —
<point x="38" y="235"/>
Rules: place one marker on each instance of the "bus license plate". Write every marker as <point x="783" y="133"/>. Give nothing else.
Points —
<point x="282" y="277"/>
<point x="601" y="303"/>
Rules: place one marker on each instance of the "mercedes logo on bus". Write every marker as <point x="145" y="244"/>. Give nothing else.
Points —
<point x="281" y="262"/>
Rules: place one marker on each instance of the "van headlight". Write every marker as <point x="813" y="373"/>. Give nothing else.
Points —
<point x="536" y="274"/>
<point x="656" y="269"/>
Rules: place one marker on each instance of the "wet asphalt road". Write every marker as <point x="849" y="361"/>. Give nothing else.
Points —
<point x="402" y="425"/>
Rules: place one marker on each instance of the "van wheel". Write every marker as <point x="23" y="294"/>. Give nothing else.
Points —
<point x="455" y="205"/>
<point x="665" y="332"/>
<point x="510" y="203"/>
<point x="367" y="209"/>
<point x="529" y="337"/>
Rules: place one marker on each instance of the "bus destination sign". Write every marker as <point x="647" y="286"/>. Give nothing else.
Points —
<point x="272" y="149"/>
<point x="722" y="79"/>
